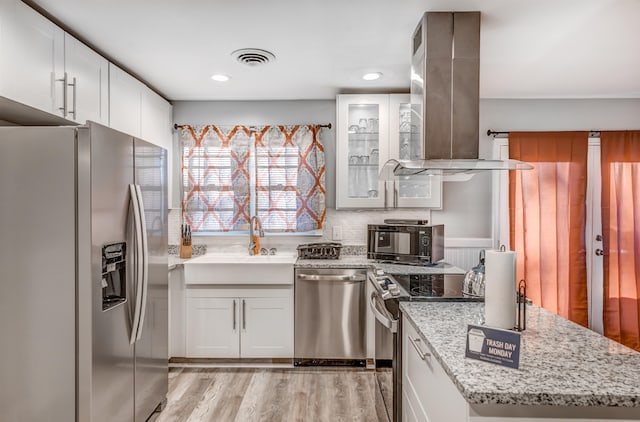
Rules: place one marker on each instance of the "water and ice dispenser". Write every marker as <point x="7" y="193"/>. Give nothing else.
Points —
<point x="114" y="275"/>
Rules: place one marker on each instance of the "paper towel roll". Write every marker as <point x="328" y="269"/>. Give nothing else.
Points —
<point x="500" y="289"/>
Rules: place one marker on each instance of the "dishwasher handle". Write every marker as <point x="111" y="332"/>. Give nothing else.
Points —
<point x="315" y="277"/>
<point x="385" y="317"/>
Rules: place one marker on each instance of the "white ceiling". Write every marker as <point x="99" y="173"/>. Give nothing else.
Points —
<point x="529" y="48"/>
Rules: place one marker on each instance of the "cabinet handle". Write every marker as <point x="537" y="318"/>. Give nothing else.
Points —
<point x="234" y="314"/>
<point x="244" y="315"/>
<point x="64" y="94"/>
<point x="385" y="194"/>
<point x="75" y="87"/>
<point x="422" y="354"/>
<point x="395" y="196"/>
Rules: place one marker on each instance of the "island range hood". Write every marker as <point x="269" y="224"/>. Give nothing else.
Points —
<point x="445" y="99"/>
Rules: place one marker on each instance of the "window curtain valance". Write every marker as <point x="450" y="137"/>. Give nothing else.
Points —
<point x="233" y="172"/>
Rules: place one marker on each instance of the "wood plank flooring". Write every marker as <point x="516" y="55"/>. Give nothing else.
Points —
<point x="272" y="395"/>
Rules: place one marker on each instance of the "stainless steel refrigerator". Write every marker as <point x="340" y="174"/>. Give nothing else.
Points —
<point x="83" y="275"/>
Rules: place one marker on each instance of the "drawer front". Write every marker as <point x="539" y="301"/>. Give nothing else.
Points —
<point x="412" y="410"/>
<point x="424" y="377"/>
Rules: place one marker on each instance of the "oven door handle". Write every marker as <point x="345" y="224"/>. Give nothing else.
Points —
<point x="386" y="320"/>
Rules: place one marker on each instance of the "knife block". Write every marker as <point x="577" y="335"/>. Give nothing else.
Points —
<point x="185" y="251"/>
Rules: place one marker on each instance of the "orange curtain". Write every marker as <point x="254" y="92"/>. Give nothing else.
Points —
<point x="620" y="165"/>
<point x="547" y="214"/>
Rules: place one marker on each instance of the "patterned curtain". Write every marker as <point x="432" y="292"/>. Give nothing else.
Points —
<point x="288" y="176"/>
<point x="216" y="178"/>
<point x="290" y="172"/>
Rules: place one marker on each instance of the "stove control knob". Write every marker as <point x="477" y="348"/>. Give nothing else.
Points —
<point x="394" y="289"/>
<point x="379" y="272"/>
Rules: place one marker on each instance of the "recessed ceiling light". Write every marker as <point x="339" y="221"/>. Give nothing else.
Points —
<point x="219" y="77"/>
<point x="372" y="76"/>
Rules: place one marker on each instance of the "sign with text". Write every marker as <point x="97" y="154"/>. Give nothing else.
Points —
<point x="501" y="347"/>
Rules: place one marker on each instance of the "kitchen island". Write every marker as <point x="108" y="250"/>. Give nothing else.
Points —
<point x="566" y="372"/>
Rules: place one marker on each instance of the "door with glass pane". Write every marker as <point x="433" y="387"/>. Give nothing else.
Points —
<point x="362" y="148"/>
<point x="405" y="143"/>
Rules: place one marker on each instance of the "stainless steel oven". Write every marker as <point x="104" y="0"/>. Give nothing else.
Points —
<point x="384" y="303"/>
<point x="416" y="244"/>
<point x="394" y="284"/>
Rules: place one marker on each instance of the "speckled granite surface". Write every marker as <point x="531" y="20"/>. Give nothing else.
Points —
<point x="561" y="363"/>
<point x="361" y="261"/>
<point x="175" y="261"/>
<point x="353" y="250"/>
<point x="345" y="261"/>
<point x="196" y="250"/>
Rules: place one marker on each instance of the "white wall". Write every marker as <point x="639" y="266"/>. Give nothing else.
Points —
<point x="284" y="112"/>
<point x="467" y="206"/>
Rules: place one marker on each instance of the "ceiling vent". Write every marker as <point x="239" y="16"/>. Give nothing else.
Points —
<point x="253" y="56"/>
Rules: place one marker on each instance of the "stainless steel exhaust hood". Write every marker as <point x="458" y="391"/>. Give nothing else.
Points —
<point x="445" y="99"/>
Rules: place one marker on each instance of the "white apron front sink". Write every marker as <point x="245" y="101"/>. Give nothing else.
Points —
<point x="221" y="268"/>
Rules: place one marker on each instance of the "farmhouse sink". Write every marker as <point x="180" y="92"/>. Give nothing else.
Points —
<point x="234" y="268"/>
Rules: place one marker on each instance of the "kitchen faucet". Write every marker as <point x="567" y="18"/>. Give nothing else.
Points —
<point x="254" y="245"/>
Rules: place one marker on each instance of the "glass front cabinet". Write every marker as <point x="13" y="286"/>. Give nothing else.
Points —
<point x="372" y="129"/>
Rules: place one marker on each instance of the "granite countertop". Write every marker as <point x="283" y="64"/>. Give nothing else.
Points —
<point x="175" y="261"/>
<point x="361" y="261"/>
<point x="561" y="363"/>
<point x="345" y="261"/>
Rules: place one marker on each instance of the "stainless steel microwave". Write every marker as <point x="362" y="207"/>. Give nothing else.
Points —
<point x="416" y="244"/>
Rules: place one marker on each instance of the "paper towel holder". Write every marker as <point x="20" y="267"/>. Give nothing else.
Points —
<point x="521" y="301"/>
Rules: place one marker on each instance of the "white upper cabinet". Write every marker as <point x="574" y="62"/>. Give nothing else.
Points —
<point x="405" y="144"/>
<point x="88" y="83"/>
<point x="137" y="110"/>
<point x="47" y="69"/>
<point x="362" y="147"/>
<point x="32" y="65"/>
<point x="371" y="129"/>
<point x="125" y="101"/>
<point x="155" y="119"/>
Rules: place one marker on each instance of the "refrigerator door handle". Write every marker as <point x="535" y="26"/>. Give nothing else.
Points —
<point x="145" y="263"/>
<point x="138" y="258"/>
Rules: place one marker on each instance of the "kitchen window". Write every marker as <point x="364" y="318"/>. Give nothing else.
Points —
<point x="230" y="174"/>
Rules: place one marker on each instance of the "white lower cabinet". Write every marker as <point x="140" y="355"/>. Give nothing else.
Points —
<point x="429" y="395"/>
<point x="244" y="323"/>
<point x="428" y="392"/>
<point x="267" y="327"/>
<point x="212" y="328"/>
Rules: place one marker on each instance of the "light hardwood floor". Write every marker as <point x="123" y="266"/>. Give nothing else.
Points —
<point x="270" y="395"/>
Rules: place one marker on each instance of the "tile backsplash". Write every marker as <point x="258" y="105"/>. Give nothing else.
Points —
<point x="354" y="236"/>
<point x="353" y="224"/>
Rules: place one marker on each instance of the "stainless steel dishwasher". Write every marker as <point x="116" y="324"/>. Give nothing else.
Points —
<point x="330" y="316"/>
